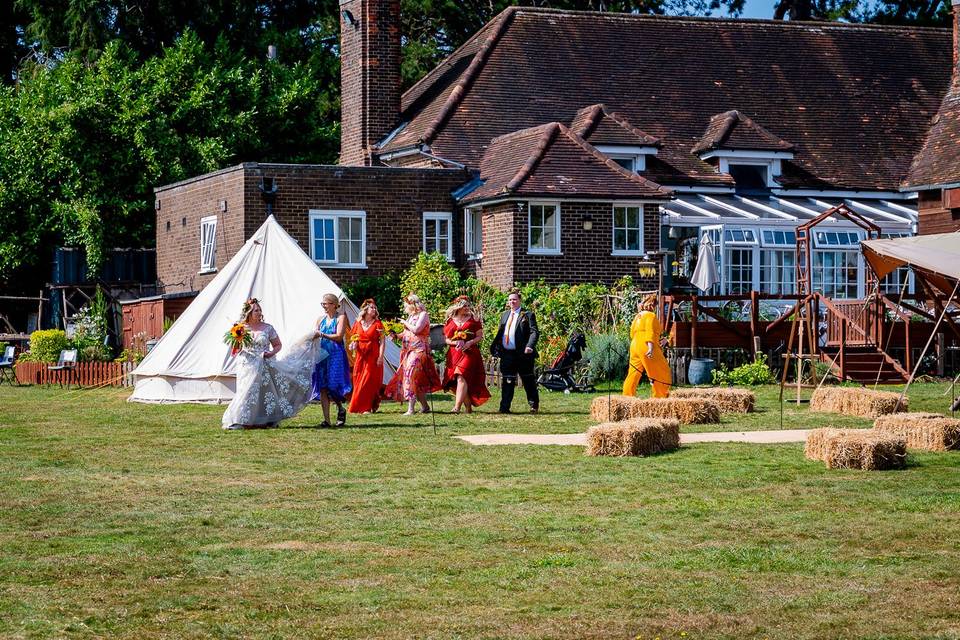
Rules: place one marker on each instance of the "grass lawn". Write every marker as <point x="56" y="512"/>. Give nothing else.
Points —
<point x="136" y="521"/>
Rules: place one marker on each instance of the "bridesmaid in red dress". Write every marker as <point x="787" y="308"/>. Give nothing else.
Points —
<point x="465" y="375"/>
<point x="367" y="344"/>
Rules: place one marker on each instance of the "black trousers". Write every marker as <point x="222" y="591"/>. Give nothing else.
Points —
<point x="515" y="364"/>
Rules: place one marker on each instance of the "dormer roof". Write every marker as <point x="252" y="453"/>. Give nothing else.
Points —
<point x="599" y="126"/>
<point x="734" y="131"/>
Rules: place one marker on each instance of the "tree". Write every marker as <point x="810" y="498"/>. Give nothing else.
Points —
<point x="85" y="143"/>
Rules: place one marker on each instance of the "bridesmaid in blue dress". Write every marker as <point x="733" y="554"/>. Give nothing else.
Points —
<point x="331" y="376"/>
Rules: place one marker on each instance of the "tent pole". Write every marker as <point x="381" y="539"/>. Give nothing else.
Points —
<point x="903" y="291"/>
<point x="933" y="333"/>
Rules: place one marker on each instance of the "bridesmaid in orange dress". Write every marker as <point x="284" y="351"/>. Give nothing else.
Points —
<point x="417" y="375"/>
<point x="465" y="375"/>
<point x="367" y="344"/>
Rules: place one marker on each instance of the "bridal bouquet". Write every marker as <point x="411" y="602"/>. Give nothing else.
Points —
<point x="461" y="335"/>
<point x="237" y="338"/>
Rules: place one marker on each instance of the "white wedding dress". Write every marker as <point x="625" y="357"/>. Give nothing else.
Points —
<point x="272" y="389"/>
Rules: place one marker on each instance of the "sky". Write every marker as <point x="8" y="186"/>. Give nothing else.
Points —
<point x="758" y="9"/>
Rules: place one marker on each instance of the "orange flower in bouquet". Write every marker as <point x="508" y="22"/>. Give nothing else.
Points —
<point x="461" y="335"/>
<point x="237" y="338"/>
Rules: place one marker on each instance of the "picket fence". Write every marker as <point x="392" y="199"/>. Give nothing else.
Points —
<point x="86" y="374"/>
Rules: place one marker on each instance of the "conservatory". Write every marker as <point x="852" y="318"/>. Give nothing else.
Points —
<point x="755" y="240"/>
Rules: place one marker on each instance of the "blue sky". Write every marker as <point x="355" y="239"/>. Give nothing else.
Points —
<point x="758" y="9"/>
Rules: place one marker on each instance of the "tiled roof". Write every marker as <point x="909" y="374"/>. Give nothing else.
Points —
<point x="855" y="100"/>
<point x="938" y="162"/>
<point x="597" y="125"/>
<point x="552" y="161"/>
<point x="733" y="130"/>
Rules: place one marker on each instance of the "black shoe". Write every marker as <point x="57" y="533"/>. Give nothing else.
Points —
<point x="504" y="411"/>
<point x="341" y="416"/>
<point x="325" y="425"/>
<point x="534" y="409"/>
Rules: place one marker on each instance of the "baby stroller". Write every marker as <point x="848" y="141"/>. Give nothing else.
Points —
<point x="569" y="372"/>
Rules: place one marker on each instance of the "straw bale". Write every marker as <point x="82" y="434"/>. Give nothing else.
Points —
<point x="612" y="408"/>
<point x="928" y="431"/>
<point x="867" y="450"/>
<point x="816" y="445"/>
<point x="634" y="437"/>
<point x="686" y="410"/>
<point x="856" y="401"/>
<point x="729" y="400"/>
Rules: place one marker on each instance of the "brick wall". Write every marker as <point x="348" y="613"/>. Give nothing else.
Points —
<point x="394" y="201"/>
<point x="586" y="255"/>
<point x="496" y="266"/>
<point x="181" y="207"/>
<point x="369" y="76"/>
<point x="933" y="216"/>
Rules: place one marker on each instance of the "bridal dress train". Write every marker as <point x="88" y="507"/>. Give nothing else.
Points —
<point x="272" y="389"/>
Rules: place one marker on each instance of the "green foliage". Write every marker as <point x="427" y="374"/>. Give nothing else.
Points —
<point x="435" y="280"/>
<point x="46" y="345"/>
<point x="385" y="290"/>
<point x="756" y="373"/>
<point x="167" y="323"/>
<point x="130" y="355"/>
<point x="609" y="355"/>
<point x="85" y="141"/>
<point x="91" y="330"/>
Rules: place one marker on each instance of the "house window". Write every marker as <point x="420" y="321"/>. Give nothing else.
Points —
<point x="438" y="233"/>
<point x="627" y="162"/>
<point x="473" y="233"/>
<point x="208" y="244"/>
<point x="338" y="238"/>
<point x="836" y="273"/>
<point x="739" y="270"/>
<point x="627" y="230"/>
<point x="778" y="261"/>
<point x="544" y="225"/>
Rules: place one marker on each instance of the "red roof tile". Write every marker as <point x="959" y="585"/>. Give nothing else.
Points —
<point x="938" y="162"/>
<point x="855" y="100"/>
<point x="733" y="130"/>
<point x="597" y="125"/>
<point x="552" y="161"/>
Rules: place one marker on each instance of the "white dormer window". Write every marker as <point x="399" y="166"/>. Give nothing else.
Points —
<point x="631" y="158"/>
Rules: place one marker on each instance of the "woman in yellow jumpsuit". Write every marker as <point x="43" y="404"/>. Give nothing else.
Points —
<point x="645" y="352"/>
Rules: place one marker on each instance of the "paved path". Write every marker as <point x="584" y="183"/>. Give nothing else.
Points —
<point x="580" y="439"/>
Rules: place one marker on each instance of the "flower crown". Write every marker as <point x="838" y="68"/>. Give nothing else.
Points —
<point x="248" y="304"/>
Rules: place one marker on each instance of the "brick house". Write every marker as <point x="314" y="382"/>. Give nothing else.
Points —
<point x="569" y="145"/>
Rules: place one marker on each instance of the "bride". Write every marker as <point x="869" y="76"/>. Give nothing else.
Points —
<point x="270" y="388"/>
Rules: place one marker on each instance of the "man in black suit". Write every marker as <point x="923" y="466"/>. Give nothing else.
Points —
<point x="516" y="346"/>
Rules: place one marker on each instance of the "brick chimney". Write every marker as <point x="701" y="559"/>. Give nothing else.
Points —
<point x="369" y="76"/>
<point x="956" y="41"/>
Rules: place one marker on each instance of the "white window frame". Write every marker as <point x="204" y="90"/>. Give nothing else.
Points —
<point x="772" y="167"/>
<point x="208" y="246"/>
<point x="557" y="226"/>
<point x="613" y="229"/>
<point x="438" y="216"/>
<point x="472" y="217"/>
<point x="336" y="215"/>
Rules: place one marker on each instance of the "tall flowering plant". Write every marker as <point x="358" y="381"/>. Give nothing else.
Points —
<point x="237" y="337"/>
<point x="394" y="328"/>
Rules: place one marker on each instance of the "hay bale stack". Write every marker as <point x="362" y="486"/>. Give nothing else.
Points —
<point x="816" y="445"/>
<point x="635" y="437"/>
<point x="685" y="410"/>
<point x="928" y="431"/>
<point x="854" y="401"/>
<point x="612" y="408"/>
<point x="866" y="450"/>
<point x="728" y="399"/>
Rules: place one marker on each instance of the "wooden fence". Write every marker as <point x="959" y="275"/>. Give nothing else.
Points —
<point x="86" y="374"/>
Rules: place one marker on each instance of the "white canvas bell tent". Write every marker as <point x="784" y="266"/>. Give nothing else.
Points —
<point x="191" y="363"/>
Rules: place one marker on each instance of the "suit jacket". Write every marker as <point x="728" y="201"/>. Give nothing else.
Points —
<point x="525" y="335"/>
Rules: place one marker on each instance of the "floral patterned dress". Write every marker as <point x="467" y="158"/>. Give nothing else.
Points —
<point x="467" y="363"/>
<point x="271" y="389"/>
<point x="417" y="372"/>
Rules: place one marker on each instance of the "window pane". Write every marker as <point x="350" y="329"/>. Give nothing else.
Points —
<point x="620" y="239"/>
<point x="535" y="233"/>
<point x="619" y="217"/>
<point x="633" y="240"/>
